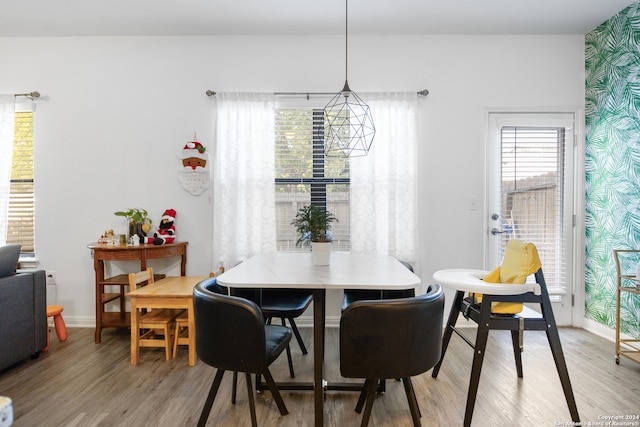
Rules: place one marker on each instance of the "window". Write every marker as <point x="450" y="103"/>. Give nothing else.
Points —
<point x="266" y="171"/>
<point x="21" y="215"/>
<point x="303" y="175"/>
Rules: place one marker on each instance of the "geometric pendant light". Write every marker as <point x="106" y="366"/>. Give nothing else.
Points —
<point x="348" y="124"/>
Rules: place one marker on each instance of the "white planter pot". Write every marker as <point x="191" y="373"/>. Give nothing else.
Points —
<point x="321" y="253"/>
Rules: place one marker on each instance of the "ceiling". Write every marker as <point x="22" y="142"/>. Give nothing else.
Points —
<point x="286" y="17"/>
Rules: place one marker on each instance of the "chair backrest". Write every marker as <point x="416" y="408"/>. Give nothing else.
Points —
<point x="246" y="293"/>
<point x="394" y="338"/>
<point x="140" y="277"/>
<point x="230" y="331"/>
<point x="211" y="284"/>
<point x="407" y="265"/>
<point x="520" y="260"/>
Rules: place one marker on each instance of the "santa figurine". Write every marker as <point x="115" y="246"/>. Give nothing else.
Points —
<point x="166" y="231"/>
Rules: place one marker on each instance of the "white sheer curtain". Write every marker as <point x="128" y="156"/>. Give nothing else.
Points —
<point x="384" y="206"/>
<point x="7" y="120"/>
<point x="244" y="219"/>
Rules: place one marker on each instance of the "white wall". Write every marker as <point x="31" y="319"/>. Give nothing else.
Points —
<point x="115" y="112"/>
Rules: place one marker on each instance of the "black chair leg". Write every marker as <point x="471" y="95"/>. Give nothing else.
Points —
<point x="478" y="357"/>
<point x="275" y="392"/>
<point x="413" y="402"/>
<point x="296" y="332"/>
<point x="252" y="402"/>
<point x="363" y="397"/>
<point x="289" y="359"/>
<point x="290" y="362"/>
<point x="371" y="396"/>
<point x="204" y="415"/>
<point x="451" y="323"/>
<point x="558" y="356"/>
<point x="517" y="352"/>
<point x="234" y="388"/>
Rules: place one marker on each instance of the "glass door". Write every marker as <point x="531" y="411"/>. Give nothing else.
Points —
<point x="530" y="195"/>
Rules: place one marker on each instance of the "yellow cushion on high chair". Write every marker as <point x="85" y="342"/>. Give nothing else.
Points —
<point x="520" y="260"/>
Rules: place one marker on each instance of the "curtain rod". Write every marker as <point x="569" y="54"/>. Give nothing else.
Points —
<point x="423" y="92"/>
<point x="34" y="94"/>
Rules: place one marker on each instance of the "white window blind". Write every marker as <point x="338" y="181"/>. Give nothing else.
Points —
<point x="303" y="175"/>
<point x="532" y="193"/>
<point x="21" y="215"/>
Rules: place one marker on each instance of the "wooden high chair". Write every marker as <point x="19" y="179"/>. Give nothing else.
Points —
<point x="155" y="327"/>
<point x="496" y="302"/>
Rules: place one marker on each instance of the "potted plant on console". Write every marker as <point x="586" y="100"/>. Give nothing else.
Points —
<point x="139" y="221"/>
<point x="313" y="225"/>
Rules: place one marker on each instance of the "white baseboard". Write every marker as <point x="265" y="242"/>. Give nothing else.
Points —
<point x="599" y="329"/>
<point x="306" y="321"/>
<point x="334" y="322"/>
<point x="79" y="321"/>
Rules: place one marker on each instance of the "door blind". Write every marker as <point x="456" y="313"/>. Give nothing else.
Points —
<point x="532" y="193"/>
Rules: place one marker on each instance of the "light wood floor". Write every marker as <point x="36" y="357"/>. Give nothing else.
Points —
<point x="79" y="383"/>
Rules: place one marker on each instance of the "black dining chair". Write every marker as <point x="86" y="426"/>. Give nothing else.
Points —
<point x="394" y="338"/>
<point x="352" y="295"/>
<point x="213" y="285"/>
<point x="231" y="335"/>
<point x="283" y="304"/>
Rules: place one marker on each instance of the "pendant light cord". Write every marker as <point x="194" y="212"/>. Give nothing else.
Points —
<point x="346" y="39"/>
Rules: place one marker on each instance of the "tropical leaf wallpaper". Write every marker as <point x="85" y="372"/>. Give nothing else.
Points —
<point x="612" y="65"/>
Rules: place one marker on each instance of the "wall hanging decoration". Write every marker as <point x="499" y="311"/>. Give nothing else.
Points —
<point x="193" y="168"/>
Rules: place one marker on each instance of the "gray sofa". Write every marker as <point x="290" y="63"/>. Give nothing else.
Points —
<point x="23" y="309"/>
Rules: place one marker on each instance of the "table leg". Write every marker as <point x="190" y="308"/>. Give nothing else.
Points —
<point x="183" y="262"/>
<point x="135" y="337"/>
<point x="192" y="333"/>
<point x="98" y="267"/>
<point x="318" y="353"/>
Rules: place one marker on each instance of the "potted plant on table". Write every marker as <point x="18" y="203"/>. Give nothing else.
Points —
<point x="139" y="221"/>
<point x="313" y="224"/>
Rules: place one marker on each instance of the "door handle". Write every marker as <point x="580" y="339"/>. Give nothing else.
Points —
<point x="495" y="231"/>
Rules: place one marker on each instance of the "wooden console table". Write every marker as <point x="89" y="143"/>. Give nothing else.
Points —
<point x="102" y="253"/>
